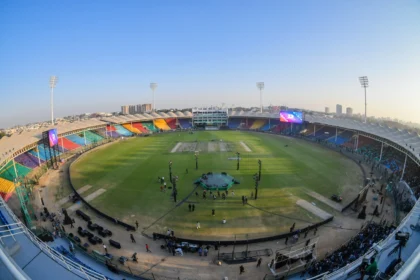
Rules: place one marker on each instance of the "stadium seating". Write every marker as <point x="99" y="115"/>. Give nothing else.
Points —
<point x="113" y="134"/>
<point x="247" y="123"/>
<point x="234" y="123"/>
<point x="140" y="128"/>
<point x="161" y="124"/>
<point x="65" y="143"/>
<point x="150" y="127"/>
<point x="171" y="123"/>
<point x="122" y="131"/>
<point x="8" y="172"/>
<point x="265" y="127"/>
<point x="325" y="132"/>
<point x="93" y="137"/>
<point x="258" y="124"/>
<point x="28" y="160"/>
<point x="130" y="127"/>
<point x="78" y="140"/>
<point x="6" y="189"/>
<point x="110" y="128"/>
<point x="342" y="138"/>
<point x="185" y="123"/>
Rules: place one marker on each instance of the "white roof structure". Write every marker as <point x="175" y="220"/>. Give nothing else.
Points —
<point x="408" y="142"/>
<point x="9" y="145"/>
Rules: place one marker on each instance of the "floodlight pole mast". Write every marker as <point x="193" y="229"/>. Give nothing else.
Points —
<point x="153" y="86"/>
<point x="237" y="158"/>
<point x="53" y="82"/>
<point x="364" y="82"/>
<point x="260" y="86"/>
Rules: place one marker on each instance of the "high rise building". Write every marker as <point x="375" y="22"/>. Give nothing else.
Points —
<point x="349" y="111"/>
<point x="125" y="109"/>
<point x="136" y="109"/>
<point x="146" y="108"/>
<point x="338" y="109"/>
<point x="327" y="110"/>
<point x="132" y="109"/>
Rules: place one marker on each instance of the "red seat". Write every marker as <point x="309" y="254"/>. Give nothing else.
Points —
<point x="67" y="144"/>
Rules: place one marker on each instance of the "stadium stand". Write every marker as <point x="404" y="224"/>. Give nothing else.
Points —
<point x="140" y="128"/>
<point x="266" y="126"/>
<point x="171" y="123"/>
<point x="8" y="172"/>
<point x="114" y="134"/>
<point x="234" y="123"/>
<point x="325" y="132"/>
<point x="351" y="251"/>
<point x="93" y="137"/>
<point x="78" y="140"/>
<point x="259" y="123"/>
<point x="6" y="189"/>
<point x="122" y="131"/>
<point x="247" y="123"/>
<point x="150" y="126"/>
<point x="110" y="128"/>
<point x="161" y="124"/>
<point x="130" y="127"/>
<point x="185" y="123"/>
<point x="28" y="160"/>
<point x="342" y="138"/>
<point x="65" y="143"/>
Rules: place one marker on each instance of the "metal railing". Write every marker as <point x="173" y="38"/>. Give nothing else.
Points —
<point x="371" y="252"/>
<point x="59" y="258"/>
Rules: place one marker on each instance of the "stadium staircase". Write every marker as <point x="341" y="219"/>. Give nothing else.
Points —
<point x="161" y="124"/>
<point x="258" y="124"/>
<point x="65" y="143"/>
<point x="122" y="131"/>
<point x="130" y="127"/>
<point x="93" y="137"/>
<point x="171" y="123"/>
<point x="28" y="160"/>
<point x="185" y="123"/>
<point x="77" y="139"/>
<point x="150" y="127"/>
<point x="140" y="128"/>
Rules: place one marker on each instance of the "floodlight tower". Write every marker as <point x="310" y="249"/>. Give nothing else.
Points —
<point x="365" y="83"/>
<point x="153" y="86"/>
<point x="53" y="82"/>
<point x="260" y="86"/>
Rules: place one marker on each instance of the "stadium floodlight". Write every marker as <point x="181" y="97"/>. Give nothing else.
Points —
<point x="365" y="83"/>
<point x="153" y="86"/>
<point x="260" y="86"/>
<point x="53" y="82"/>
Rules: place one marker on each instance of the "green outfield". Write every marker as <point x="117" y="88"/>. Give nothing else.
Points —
<point x="128" y="171"/>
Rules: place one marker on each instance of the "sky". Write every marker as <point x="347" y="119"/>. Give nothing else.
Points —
<point x="309" y="54"/>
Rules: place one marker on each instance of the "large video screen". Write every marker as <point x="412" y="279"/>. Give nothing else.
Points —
<point x="291" y="116"/>
<point x="52" y="135"/>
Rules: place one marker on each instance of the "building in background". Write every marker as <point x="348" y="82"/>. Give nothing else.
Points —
<point x="338" y="109"/>
<point x="146" y="108"/>
<point x="125" y="109"/>
<point x="349" y="111"/>
<point x="132" y="109"/>
<point x="327" y="110"/>
<point x="136" y="109"/>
